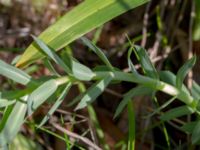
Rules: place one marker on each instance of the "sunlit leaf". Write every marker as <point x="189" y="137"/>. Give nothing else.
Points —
<point x="82" y="19"/>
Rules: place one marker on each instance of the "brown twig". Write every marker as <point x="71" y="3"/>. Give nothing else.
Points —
<point x="76" y="136"/>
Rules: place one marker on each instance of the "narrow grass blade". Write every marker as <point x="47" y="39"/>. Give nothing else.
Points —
<point x="196" y="133"/>
<point x="41" y="94"/>
<point x="145" y="62"/>
<point x="13" y="123"/>
<point x="98" y="128"/>
<point x="137" y="91"/>
<point x="51" y="54"/>
<point x="50" y="67"/>
<point x="189" y="126"/>
<point x="93" y="92"/>
<point x="98" y="51"/>
<point x="195" y="90"/>
<point x="131" y="132"/>
<point x="130" y="64"/>
<point x="162" y="106"/>
<point x="56" y="104"/>
<point x="176" y="112"/>
<point x="82" y="19"/>
<point x="14" y="74"/>
<point x="183" y="71"/>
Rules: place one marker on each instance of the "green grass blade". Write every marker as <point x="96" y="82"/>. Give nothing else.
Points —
<point x="183" y="71"/>
<point x="98" y="51"/>
<point x="14" y="74"/>
<point x="196" y="133"/>
<point x="131" y="119"/>
<point x="130" y="64"/>
<point x="137" y="91"/>
<point x="145" y="62"/>
<point x="56" y="104"/>
<point x="82" y="19"/>
<point x="51" y="54"/>
<point x="13" y="123"/>
<point x="176" y="112"/>
<point x="41" y="94"/>
<point x="195" y="90"/>
<point x="189" y="126"/>
<point x="93" y="92"/>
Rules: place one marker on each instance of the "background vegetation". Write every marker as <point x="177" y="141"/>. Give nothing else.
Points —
<point x="122" y="77"/>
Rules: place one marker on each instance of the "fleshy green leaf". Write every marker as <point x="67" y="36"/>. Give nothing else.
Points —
<point x="176" y="112"/>
<point x="41" y="94"/>
<point x="80" y="71"/>
<point x="93" y="92"/>
<point x="98" y="51"/>
<point x="56" y="104"/>
<point x="183" y="71"/>
<point x="82" y="19"/>
<point x="14" y="74"/>
<point x="137" y="91"/>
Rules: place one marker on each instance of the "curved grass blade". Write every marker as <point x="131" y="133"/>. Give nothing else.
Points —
<point x="131" y="119"/>
<point x="189" y="126"/>
<point x="176" y="112"/>
<point x="93" y="92"/>
<point x="56" y="104"/>
<point x="137" y="91"/>
<point x="195" y="90"/>
<point x="130" y="64"/>
<point x="14" y="122"/>
<point x="14" y="74"/>
<point x="41" y="94"/>
<point x="145" y="62"/>
<point x="183" y="71"/>
<point x="51" y="54"/>
<point x="82" y="19"/>
<point x="98" y="51"/>
<point x="196" y="133"/>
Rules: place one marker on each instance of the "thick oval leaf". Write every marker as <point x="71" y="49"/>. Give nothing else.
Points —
<point x="183" y="71"/>
<point x="41" y="94"/>
<point x="14" y="122"/>
<point x="85" y="17"/>
<point x="14" y="74"/>
<point x="195" y="90"/>
<point x="176" y="112"/>
<point x="93" y="92"/>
